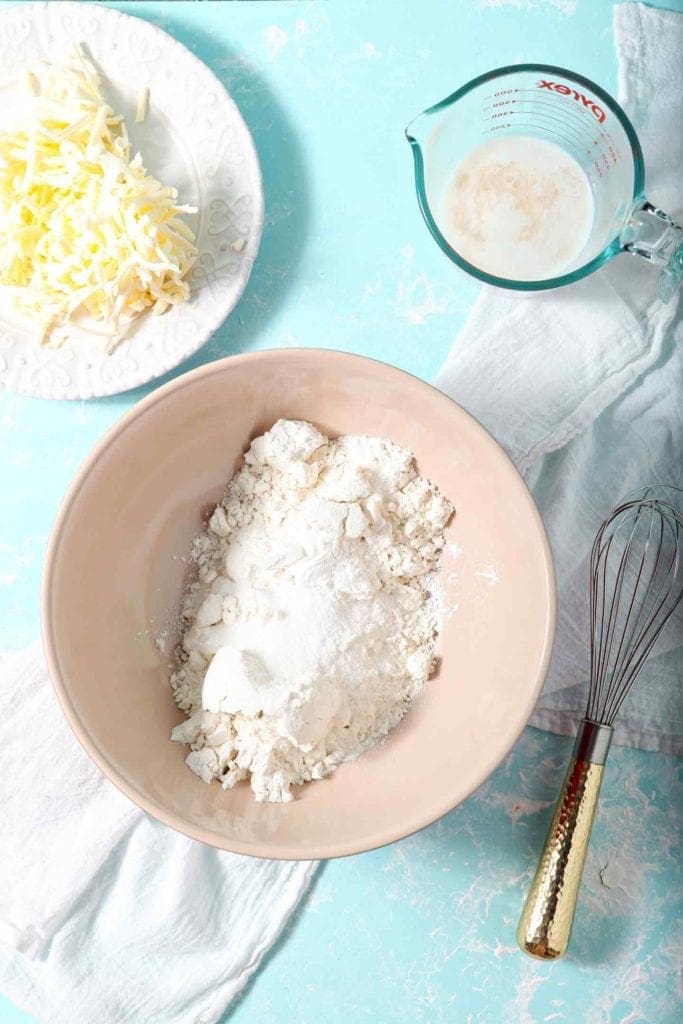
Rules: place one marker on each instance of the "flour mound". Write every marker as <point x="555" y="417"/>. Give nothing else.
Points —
<point x="312" y="626"/>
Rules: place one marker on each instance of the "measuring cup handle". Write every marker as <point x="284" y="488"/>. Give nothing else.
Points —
<point x="652" y="234"/>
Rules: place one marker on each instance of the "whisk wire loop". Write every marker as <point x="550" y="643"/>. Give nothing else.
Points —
<point x="636" y="586"/>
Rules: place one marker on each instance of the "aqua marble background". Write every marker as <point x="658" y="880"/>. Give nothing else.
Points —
<point x="422" y="931"/>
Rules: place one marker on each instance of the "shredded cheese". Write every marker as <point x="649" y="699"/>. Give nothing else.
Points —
<point x="86" y="234"/>
<point x="143" y="104"/>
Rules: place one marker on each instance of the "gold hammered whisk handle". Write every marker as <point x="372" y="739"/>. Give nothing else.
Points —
<point x="546" y="921"/>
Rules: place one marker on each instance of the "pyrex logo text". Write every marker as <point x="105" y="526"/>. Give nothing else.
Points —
<point x="566" y="91"/>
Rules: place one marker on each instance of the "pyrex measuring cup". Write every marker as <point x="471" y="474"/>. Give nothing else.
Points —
<point x="572" y="112"/>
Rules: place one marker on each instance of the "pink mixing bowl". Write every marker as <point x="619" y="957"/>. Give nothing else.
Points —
<point x="114" y="575"/>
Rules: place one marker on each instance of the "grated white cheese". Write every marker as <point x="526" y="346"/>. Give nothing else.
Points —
<point x="142" y="105"/>
<point x="85" y="231"/>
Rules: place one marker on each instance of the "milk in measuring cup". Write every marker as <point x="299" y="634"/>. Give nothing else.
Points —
<point x="519" y="207"/>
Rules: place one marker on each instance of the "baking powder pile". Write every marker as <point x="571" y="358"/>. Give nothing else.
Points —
<point x="311" y="628"/>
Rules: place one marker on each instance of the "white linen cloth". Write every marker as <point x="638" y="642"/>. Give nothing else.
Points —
<point x="106" y="915"/>
<point x="584" y="388"/>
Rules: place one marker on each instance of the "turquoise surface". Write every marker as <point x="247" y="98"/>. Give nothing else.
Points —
<point x="422" y="930"/>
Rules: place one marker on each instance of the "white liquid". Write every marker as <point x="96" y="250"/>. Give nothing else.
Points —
<point x="520" y="208"/>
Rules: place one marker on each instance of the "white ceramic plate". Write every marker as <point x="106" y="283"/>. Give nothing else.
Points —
<point x="194" y="138"/>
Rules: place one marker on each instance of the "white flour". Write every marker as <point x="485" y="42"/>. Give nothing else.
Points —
<point x="312" y="626"/>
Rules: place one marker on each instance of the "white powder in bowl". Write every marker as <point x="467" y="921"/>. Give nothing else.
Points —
<point x="311" y="628"/>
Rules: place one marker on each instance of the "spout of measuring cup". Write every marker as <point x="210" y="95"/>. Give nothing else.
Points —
<point x="650" y="233"/>
<point x="417" y="133"/>
<point x="433" y="166"/>
<point x="418" y="129"/>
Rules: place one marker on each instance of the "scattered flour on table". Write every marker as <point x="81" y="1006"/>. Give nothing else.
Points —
<point x="312" y="625"/>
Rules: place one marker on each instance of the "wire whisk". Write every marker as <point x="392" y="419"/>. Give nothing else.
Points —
<point x="636" y="585"/>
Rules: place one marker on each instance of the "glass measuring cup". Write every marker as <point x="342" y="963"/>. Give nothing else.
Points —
<point x="552" y="104"/>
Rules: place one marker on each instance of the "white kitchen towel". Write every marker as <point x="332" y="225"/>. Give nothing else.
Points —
<point x="106" y="915"/>
<point x="583" y="386"/>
